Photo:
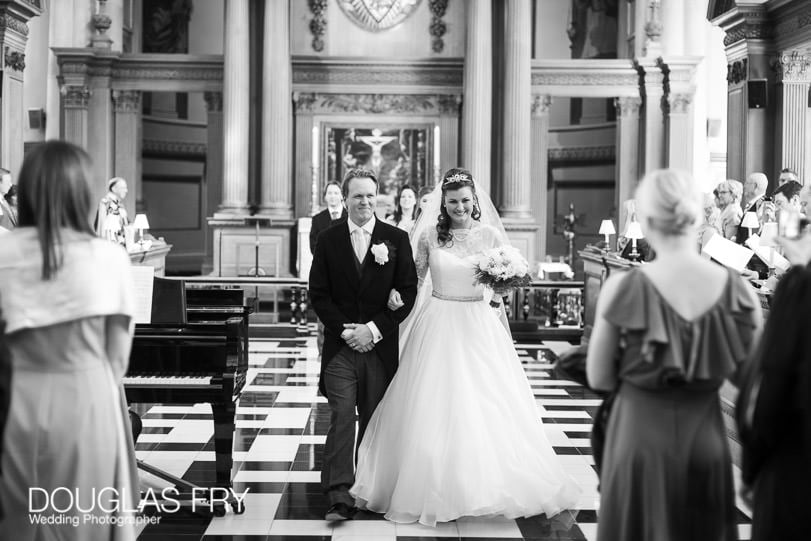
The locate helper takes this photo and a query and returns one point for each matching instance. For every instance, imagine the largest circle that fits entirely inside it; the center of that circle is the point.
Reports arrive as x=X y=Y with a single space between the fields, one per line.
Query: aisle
x=278 y=447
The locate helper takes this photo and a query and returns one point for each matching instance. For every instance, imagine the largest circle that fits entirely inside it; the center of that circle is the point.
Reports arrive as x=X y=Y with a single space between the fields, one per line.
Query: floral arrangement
x=502 y=269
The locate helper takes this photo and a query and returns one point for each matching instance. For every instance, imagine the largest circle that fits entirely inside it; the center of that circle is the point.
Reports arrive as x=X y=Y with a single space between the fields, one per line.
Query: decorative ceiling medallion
x=377 y=15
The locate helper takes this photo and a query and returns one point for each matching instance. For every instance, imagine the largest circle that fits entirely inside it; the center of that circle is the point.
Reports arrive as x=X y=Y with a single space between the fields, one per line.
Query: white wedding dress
x=458 y=432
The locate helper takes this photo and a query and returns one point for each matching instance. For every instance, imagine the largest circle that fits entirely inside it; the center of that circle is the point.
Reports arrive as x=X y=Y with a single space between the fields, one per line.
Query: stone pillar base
x=524 y=236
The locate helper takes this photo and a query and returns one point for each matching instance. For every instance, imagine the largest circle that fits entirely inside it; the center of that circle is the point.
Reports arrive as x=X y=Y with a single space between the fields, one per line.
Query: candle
x=315 y=147
x=436 y=148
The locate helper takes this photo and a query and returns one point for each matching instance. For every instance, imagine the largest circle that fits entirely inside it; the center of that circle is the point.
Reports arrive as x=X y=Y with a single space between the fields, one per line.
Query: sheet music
x=728 y=253
x=767 y=253
x=144 y=280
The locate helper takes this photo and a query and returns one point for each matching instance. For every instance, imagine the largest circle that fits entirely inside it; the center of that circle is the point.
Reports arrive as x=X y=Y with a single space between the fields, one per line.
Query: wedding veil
x=426 y=223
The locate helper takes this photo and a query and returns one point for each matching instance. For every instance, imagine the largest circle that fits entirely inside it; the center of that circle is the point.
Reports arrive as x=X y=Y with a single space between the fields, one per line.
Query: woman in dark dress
x=666 y=336
x=774 y=415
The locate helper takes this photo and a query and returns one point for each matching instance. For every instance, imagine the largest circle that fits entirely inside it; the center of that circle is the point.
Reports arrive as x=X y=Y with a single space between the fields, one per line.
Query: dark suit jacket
x=343 y=291
x=5 y=388
x=322 y=221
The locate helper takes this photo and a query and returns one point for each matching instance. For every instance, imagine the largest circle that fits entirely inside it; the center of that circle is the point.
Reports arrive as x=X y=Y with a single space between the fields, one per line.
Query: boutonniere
x=381 y=252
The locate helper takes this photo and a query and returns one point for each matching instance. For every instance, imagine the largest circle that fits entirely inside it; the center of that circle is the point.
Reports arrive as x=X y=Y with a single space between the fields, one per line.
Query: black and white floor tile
x=281 y=427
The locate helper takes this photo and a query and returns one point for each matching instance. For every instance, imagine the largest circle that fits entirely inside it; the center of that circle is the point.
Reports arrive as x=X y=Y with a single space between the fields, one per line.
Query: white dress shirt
x=361 y=237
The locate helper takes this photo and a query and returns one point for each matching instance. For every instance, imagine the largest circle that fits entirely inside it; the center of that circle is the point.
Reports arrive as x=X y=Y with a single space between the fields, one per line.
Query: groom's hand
x=358 y=337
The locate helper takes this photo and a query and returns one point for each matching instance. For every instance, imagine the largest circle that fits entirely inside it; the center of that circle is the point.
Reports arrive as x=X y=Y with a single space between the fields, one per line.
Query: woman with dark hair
x=457 y=432
x=774 y=414
x=67 y=297
x=405 y=208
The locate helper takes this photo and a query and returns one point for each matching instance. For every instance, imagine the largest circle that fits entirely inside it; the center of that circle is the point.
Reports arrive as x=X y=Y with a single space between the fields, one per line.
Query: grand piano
x=193 y=352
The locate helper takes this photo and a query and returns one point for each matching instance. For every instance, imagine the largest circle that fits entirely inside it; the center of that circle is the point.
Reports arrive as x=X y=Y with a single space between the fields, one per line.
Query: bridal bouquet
x=502 y=269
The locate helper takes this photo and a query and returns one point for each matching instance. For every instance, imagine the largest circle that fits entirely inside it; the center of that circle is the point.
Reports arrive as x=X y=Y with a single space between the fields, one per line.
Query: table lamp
x=634 y=232
x=750 y=222
x=140 y=223
x=607 y=228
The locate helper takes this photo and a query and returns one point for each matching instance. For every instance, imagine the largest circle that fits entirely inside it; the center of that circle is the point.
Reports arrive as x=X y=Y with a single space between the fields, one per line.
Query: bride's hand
x=395 y=300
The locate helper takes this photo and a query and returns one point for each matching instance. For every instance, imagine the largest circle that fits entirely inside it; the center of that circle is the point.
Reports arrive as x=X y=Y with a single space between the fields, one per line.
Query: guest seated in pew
x=67 y=297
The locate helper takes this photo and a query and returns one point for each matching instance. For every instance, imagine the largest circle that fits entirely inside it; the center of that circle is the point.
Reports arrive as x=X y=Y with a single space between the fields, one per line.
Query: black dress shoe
x=339 y=511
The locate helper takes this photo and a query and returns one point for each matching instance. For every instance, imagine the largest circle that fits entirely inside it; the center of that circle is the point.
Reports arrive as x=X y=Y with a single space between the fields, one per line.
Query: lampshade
x=768 y=234
x=634 y=231
x=607 y=227
x=750 y=220
x=140 y=222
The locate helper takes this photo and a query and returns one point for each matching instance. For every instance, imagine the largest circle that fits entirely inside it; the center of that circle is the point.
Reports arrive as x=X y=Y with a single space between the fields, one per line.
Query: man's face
x=5 y=183
x=120 y=189
x=749 y=189
x=782 y=203
x=333 y=196
x=785 y=177
x=361 y=199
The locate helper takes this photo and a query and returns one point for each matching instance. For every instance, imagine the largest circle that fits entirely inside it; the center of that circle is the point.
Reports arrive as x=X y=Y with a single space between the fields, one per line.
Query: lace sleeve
x=491 y=237
x=421 y=257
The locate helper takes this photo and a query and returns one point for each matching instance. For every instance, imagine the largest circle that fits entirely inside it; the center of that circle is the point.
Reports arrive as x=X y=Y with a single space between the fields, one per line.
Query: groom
x=355 y=266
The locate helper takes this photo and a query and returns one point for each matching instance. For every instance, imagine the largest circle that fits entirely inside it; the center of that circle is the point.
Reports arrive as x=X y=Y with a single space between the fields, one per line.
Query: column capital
x=541 y=104
x=679 y=103
x=75 y=96
x=738 y=71
x=126 y=101
x=449 y=104
x=792 y=67
x=628 y=106
x=14 y=60
x=213 y=101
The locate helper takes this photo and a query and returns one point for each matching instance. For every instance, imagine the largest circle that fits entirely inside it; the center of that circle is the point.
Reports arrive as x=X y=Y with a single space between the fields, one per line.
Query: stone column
x=627 y=164
x=277 y=113
x=477 y=109
x=75 y=99
x=539 y=164
x=515 y=203
x=793 y=83
x=236 y=108
x=680 y=131
x=681 y=73
x=14 y=14
x=448 y=123
x=653 y=120
x=214 y=167
x=128 y=142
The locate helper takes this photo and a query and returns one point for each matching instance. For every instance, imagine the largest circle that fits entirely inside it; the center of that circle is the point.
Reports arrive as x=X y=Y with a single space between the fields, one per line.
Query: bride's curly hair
x=454 y=179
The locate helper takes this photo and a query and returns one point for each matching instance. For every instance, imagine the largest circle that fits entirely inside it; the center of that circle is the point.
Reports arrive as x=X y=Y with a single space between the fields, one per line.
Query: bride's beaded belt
x=474 y=298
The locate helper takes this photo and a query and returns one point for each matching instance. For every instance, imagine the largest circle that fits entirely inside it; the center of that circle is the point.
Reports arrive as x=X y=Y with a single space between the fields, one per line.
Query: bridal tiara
x=457 y=177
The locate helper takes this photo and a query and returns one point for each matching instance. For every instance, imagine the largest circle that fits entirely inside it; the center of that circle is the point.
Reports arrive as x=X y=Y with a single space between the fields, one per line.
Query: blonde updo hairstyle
x=669 y=201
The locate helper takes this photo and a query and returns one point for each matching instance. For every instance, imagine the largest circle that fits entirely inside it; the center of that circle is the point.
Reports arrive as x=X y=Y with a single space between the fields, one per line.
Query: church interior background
x=220 y=109
x=228 y=117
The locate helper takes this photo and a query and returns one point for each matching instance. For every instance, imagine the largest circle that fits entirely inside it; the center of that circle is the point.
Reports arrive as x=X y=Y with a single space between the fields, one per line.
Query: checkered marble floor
x=281 y=427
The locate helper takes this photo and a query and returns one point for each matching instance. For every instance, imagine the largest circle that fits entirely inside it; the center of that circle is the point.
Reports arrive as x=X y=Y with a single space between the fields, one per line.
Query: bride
x=458 y=432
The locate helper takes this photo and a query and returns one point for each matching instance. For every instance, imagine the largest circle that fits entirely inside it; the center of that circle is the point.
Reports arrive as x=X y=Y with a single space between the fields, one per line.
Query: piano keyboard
x=158 y=381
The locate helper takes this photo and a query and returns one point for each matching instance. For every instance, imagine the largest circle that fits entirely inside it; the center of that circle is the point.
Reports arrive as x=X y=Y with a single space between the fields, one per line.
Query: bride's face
x=459 y=204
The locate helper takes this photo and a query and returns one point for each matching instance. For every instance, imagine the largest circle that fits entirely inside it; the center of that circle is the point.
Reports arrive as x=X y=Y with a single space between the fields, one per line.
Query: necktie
x=335 y=215
x=360 y=244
